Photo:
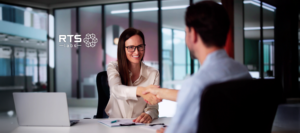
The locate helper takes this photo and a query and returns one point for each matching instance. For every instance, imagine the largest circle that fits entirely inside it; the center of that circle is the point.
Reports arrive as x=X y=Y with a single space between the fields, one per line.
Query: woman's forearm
x=169 y=94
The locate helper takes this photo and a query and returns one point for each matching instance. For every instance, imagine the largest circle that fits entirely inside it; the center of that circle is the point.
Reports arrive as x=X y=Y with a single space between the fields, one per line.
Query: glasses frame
x=135 y=47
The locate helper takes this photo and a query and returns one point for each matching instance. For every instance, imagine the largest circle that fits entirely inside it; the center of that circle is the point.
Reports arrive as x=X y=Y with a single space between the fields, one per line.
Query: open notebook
x=120 y=122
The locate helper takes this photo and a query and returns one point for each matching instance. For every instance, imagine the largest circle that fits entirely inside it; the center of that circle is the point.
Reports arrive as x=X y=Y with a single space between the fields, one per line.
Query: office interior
x=33 y=58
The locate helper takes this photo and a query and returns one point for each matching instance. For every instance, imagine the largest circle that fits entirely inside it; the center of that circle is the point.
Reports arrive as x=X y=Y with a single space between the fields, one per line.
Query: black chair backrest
x=239 y=106
x=103 y=94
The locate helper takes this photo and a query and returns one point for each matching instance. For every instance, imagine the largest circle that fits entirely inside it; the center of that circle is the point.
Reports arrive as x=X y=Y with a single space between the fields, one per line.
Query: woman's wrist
x=140 y=90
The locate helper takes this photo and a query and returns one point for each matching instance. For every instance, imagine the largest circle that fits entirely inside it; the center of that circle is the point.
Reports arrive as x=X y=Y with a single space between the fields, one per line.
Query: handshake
x=151 y=94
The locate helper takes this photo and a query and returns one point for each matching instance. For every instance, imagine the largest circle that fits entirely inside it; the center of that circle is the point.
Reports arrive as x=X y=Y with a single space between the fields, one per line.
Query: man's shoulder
x=195 y=83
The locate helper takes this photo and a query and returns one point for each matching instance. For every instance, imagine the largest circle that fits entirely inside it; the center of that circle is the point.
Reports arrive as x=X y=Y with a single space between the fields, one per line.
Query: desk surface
x=89 y=126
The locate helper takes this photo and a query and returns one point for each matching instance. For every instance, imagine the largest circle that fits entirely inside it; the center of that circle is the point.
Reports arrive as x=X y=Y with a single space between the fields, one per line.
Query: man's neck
x=135 y=68
x=204 y=52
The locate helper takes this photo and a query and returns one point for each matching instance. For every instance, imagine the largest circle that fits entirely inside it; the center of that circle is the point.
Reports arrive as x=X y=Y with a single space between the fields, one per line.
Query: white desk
x=90 y=126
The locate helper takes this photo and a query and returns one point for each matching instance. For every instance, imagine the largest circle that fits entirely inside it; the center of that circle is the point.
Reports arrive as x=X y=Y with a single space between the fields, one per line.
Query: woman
x=128 y=78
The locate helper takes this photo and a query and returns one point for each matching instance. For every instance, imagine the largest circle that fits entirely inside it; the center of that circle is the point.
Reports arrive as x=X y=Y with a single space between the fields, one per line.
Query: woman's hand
x=162 y=130
x=151 y=99
x=143 y=118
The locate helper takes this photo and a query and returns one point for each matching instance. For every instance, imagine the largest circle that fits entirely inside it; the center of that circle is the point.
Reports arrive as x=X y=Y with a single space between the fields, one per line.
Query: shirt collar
x=214 y=56
x=143 y=72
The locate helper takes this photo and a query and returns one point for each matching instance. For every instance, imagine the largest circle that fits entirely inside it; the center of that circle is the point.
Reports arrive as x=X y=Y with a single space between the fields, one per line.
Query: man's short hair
x=210 y=20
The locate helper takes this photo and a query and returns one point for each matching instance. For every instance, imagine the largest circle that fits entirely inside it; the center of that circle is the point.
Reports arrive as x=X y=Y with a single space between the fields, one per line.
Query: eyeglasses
x=132 y=48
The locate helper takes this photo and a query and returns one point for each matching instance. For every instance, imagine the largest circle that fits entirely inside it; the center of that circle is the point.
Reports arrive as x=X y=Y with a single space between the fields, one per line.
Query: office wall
x=238 y=28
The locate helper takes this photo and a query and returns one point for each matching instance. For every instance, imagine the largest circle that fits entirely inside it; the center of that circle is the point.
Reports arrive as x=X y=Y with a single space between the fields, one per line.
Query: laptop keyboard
x=72 y=122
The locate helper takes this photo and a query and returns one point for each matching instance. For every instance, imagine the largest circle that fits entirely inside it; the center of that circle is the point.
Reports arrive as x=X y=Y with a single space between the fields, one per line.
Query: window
x=252 y=30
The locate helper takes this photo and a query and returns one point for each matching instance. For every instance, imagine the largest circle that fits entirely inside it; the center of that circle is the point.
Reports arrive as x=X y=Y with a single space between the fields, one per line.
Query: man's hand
x=151 y=99
x=143 y=118
x=161 y=93
x=153 y=90
x=162 y=130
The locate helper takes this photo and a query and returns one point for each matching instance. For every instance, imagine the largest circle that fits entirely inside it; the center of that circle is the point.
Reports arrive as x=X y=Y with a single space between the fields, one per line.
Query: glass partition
x=145 y=19
x=66 y=59
x=174 y=50
x=91 y=57
x=116 y=21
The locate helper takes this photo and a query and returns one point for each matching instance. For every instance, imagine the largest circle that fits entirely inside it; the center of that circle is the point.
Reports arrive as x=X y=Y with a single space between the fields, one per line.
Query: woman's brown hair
x=123 y=62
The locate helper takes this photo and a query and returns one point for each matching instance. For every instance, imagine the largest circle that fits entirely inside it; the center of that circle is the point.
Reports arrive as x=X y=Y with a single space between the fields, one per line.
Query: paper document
x=120 y=122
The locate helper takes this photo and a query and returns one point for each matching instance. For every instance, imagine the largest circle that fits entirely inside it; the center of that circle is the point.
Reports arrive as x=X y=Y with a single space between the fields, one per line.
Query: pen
x=157 y=124
x=114 y=121
x=127 y=124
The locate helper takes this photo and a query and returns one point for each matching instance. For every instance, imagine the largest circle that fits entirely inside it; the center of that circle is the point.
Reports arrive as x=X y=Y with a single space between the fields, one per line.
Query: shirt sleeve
x=152 y=110
x=117 y=89
x=185 y=119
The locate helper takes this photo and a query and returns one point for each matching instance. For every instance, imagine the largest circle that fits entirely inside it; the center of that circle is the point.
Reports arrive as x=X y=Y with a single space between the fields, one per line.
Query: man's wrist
x=160 y=93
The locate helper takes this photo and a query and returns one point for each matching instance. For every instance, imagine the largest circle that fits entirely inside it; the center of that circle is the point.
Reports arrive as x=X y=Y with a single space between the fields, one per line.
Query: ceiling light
x=119 y=11
x=257 y=3
x=149 y=9
x=22 y=40
x=258 y=28
x=174 y=7
x=145 y=9
x=27 y=40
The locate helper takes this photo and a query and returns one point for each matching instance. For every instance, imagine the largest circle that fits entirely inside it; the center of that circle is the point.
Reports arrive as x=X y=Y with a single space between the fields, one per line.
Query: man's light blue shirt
x=217 y=67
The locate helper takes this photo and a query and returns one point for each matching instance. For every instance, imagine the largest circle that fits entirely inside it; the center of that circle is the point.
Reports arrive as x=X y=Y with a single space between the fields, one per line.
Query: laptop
x=42 y=109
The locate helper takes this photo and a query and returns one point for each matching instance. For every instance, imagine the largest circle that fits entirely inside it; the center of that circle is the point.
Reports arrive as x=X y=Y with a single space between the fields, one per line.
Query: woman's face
x=134 y=49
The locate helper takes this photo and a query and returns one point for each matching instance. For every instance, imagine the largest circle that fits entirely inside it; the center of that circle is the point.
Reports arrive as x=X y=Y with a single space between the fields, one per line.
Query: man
x=207 y=25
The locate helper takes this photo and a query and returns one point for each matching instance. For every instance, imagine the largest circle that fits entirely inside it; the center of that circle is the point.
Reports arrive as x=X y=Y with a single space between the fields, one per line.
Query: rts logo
x=90 y=40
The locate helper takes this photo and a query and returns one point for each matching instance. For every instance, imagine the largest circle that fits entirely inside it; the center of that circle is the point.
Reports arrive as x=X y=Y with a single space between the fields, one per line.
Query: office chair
x=246 y=106
x=103 y=94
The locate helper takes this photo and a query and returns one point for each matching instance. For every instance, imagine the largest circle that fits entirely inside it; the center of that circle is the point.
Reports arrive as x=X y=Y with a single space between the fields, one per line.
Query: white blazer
x=123 y=101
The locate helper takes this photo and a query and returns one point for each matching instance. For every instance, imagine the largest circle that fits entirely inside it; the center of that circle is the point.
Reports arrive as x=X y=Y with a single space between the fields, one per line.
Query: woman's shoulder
x=113 y=64
x=150 y=69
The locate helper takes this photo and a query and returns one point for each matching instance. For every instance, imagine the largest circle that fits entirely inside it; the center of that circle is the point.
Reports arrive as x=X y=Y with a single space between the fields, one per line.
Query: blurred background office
x=33 y=59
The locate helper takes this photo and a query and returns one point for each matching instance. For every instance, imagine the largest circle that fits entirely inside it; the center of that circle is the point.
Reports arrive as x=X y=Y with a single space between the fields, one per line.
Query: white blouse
x=123 y=101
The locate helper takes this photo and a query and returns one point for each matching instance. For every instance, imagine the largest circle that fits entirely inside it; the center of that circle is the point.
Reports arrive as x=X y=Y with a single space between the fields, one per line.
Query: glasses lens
x=130 y=49
x=141 y=47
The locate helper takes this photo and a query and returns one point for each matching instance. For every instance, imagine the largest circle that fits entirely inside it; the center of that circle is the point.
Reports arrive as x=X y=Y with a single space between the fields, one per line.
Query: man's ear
x=193 y=35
